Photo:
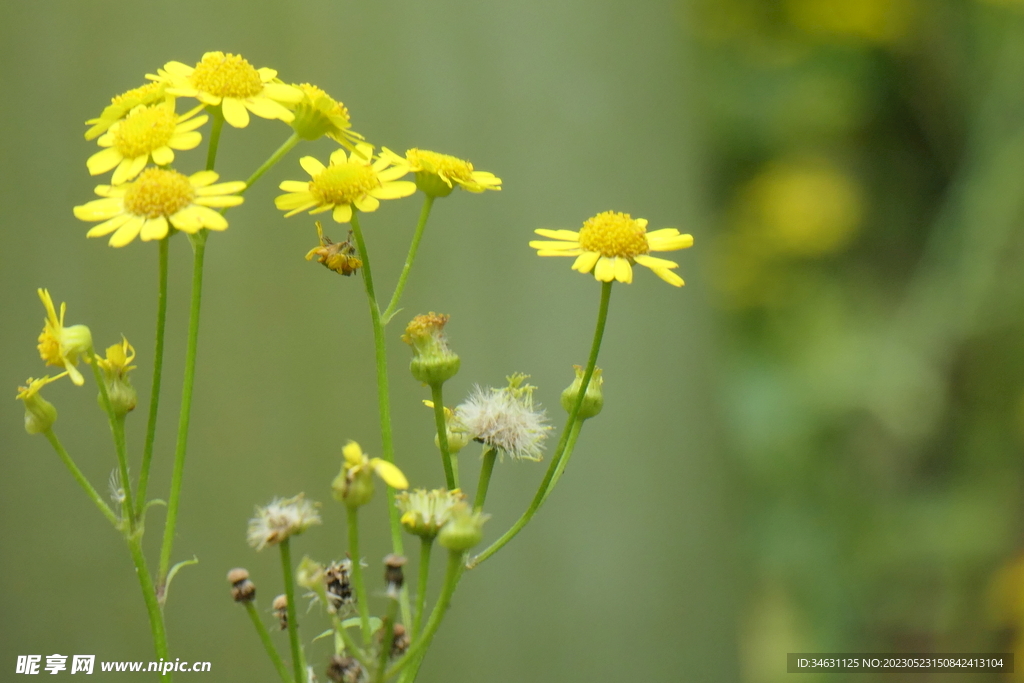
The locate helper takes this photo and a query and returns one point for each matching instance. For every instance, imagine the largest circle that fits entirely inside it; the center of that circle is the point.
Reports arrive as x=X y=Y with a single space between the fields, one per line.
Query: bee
x=339 y=586
x=280 y=606
x=337 y=256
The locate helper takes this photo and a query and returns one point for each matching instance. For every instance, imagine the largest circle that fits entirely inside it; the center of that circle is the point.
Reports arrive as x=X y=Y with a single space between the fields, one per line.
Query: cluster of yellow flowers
x=142 y=126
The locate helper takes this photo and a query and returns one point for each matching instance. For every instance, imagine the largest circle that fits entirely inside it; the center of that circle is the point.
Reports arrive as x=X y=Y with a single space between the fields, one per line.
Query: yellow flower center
x=226 y=75
x=49 y=346
x=343 y=183
x=158 y=192
x=614 y=234
x=145 y=130
x=442 y=164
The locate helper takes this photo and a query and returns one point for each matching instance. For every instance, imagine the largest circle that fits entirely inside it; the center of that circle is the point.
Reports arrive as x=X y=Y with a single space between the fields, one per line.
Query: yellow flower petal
x=586 y=261
x=605 y=270
x=390 y=473
x=568 y=235
x=343 y=213
x=235 y=112
x=269 y=109
x=623 y=271
x=127 y=232
x=312 y=166
x=154 y=229
x=366 y=203
x=103 y=161
x=163 y=155
x=99 y=209
x=109 y=226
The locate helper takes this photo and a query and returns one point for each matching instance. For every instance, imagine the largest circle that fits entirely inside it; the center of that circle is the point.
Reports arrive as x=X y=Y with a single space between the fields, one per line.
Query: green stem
x=385 y=644
x=569 y=447
x=350 y=645
x=542 y=491
x=272 y=161
x=199 y=247
x=450 y=476
x=389 y=312
x=117 y=429
x=426 y=544
x=298 y=665
x=383 y=400
x=218 y=124
x=156 y=616
x=451 y=579
x=268 y=644
x=158 y=366
x=362 y=603
x=82 y=481
x=490 y=455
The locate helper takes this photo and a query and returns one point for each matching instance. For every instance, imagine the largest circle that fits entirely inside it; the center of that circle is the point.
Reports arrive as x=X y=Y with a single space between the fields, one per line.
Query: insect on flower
x=337 y=256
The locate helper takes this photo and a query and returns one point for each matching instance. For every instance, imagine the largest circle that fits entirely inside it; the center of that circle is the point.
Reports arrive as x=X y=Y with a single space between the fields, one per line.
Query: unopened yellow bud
x=465 y=528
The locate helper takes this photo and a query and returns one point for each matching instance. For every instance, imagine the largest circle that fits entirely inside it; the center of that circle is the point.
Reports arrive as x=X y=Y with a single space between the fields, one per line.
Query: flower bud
x=115 y=367
x=394 y=575
x=319 y=114
x=433 y=361
x=593 y=400
x=310 y=574
x=464 y=530
x=353 y=486
x=39 y=413
x=242 y=589
x=432 y=185
x=424 y=513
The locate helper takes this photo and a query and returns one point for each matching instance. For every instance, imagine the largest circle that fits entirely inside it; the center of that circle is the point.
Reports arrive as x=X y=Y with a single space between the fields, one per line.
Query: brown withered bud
x=339 y=586
x=242 y=589
x=344 y=670
x=399 y=640
x=280 y=606
x=394 y=577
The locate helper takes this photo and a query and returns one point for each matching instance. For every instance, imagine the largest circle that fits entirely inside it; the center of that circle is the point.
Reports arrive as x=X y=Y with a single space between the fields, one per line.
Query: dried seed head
x=345 y=670
x=242 y=589
x=280 y=606
x=399 y=640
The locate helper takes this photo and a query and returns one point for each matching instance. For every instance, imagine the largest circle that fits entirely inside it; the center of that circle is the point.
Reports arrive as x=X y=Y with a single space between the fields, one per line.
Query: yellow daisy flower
x=430 y=167
x=60 y=345
x=233 y=83
x=148 y=131
x=320 y=114
x=611 y=243
x=350 y=181
x=158 y=197
x=121 y=104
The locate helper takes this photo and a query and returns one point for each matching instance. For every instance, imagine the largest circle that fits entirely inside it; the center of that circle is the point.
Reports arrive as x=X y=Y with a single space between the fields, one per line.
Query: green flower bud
x=354 y=484
x=464 y=529
x=39 y=413
x=433 y=361
x=593 y=400
x=424 y=512
x=432 y=185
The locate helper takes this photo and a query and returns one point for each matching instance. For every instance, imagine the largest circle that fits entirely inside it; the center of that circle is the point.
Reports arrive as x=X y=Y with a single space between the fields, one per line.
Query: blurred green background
x=814 y=446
